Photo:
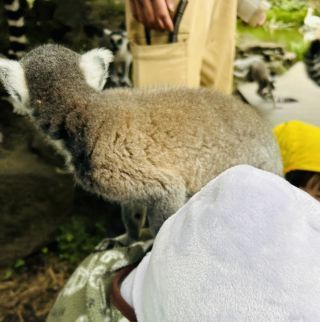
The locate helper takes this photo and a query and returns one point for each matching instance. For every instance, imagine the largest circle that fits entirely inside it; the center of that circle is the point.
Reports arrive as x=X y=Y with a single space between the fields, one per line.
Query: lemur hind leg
x=165 y=206
x=134 y=216
x=125 y=79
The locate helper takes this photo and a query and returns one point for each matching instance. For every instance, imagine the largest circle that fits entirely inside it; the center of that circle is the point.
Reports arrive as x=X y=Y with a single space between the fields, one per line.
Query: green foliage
x=290 y=38
x=293 y=17
x=75 y=241
x=19 y=263
x=289 y=5
x=14 y=268
x=284 y=20
x=8 y=273
x=290 y=12
x=299 y=48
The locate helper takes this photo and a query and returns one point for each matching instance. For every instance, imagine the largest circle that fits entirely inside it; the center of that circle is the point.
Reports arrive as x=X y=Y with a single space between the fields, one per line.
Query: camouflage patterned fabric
x=85 y=297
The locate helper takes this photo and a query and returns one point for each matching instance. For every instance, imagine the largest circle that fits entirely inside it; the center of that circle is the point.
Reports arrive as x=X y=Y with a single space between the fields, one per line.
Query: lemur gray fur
x=152 y=147
x=254 y=69
x=259 y=73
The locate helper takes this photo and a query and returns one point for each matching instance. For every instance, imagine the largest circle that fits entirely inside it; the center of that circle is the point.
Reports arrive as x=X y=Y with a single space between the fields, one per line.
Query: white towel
x=245 y=248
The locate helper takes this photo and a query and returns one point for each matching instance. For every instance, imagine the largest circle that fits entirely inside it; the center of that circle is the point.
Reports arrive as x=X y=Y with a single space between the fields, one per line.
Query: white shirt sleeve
x=247 y=8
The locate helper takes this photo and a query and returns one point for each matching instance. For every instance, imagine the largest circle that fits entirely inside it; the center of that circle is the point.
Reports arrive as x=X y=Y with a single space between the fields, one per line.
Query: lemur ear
x=14 y=81
x=94 y=65
x=107 y=32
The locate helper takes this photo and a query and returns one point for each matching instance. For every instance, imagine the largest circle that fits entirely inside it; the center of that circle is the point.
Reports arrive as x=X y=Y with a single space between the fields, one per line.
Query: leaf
x=7 y=274
x=19 y=263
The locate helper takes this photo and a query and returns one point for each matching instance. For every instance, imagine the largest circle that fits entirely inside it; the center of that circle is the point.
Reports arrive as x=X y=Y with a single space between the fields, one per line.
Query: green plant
x=284 y=21
x=12 y=269
x=74 y=240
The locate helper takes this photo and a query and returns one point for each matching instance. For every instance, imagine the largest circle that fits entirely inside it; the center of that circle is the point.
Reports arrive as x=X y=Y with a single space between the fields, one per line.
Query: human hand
x=258 y=19
x=154 y=14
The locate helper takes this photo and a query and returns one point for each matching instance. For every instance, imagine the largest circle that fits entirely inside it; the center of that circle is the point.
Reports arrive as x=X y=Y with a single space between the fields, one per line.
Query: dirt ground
x=29 y=293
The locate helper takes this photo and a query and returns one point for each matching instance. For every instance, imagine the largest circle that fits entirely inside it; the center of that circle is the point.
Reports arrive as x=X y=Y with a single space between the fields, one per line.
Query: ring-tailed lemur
x=312 y=61
x=17 y=31
x=16 y=34
x=254 y=69
x=154 y=147
x=122 y=61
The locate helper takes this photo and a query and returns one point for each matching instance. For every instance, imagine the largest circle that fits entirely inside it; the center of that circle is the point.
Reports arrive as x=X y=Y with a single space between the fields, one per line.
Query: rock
x=277 y=68
x=34 y=198
x=268 y=50
x=32 y=206
x=275 y=57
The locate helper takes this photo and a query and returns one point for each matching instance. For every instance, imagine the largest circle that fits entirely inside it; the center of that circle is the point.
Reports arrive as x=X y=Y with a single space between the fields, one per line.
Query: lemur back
x=154 y=147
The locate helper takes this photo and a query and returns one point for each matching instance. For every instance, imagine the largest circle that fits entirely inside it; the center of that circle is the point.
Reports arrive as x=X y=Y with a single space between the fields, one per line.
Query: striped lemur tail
x=312 y=61
x=17 y=31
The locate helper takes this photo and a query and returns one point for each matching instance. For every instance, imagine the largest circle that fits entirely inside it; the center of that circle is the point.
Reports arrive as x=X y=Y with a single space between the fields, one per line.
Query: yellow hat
x=299 y=145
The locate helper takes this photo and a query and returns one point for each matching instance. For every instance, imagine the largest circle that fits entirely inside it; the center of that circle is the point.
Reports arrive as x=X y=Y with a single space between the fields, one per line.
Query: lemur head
x=52 y=69
x=118 y=40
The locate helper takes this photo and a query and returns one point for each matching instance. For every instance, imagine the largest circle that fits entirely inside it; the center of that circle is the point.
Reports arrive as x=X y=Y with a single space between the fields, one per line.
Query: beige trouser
x=203 y=55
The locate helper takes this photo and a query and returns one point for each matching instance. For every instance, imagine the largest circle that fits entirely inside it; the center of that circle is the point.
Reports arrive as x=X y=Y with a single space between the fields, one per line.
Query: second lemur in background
x=120 y=68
